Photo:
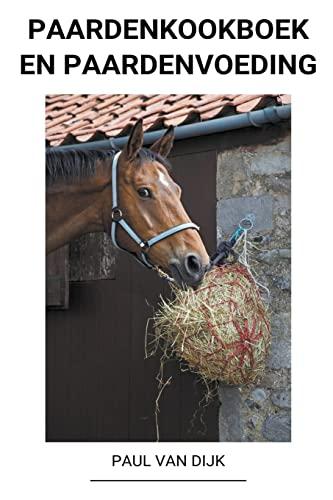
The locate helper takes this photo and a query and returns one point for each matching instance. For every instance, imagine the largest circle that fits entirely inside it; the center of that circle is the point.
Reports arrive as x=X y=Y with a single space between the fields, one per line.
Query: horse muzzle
x=188 y=271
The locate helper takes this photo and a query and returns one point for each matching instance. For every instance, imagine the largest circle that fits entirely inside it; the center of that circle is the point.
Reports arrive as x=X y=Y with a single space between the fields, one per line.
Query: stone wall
x=256 y=178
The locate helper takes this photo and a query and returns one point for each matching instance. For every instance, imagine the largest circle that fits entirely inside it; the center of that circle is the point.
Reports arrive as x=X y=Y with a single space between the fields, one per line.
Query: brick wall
x=256 y=178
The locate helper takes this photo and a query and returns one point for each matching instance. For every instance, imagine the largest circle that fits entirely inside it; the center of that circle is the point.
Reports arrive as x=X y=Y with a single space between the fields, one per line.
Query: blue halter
x=117 y=219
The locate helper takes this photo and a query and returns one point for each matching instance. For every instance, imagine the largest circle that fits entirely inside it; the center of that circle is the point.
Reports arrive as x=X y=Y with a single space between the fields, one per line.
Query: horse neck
x=73 y=210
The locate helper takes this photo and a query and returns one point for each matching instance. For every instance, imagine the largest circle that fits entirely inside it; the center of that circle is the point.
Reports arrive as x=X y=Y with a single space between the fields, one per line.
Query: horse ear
x=164 y=144
x=135 y=141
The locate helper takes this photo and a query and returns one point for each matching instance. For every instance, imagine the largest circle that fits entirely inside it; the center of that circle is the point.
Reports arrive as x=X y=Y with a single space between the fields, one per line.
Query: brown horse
x=80 y=199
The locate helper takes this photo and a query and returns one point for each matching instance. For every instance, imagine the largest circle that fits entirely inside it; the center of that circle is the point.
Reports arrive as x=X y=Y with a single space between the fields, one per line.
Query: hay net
x=221 y=329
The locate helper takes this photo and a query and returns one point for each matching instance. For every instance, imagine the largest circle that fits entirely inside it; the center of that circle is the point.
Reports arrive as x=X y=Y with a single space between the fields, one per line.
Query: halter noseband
x=117 y=219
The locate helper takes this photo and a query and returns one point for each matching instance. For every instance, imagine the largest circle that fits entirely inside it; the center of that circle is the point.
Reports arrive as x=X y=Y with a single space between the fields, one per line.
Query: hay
x=221 y=329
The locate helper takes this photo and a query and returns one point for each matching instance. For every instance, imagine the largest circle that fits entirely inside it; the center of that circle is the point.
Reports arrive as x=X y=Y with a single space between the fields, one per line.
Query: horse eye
x=144 y=193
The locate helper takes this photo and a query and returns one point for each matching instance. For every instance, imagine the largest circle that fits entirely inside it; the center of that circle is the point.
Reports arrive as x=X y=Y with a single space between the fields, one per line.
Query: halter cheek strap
x=117 y=219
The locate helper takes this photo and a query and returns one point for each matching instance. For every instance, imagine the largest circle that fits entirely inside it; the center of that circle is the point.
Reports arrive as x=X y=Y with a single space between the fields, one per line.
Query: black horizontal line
x=168 y=480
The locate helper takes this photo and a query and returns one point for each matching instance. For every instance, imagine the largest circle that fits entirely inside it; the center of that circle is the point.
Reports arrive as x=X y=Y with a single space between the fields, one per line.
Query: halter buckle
x=116 y=214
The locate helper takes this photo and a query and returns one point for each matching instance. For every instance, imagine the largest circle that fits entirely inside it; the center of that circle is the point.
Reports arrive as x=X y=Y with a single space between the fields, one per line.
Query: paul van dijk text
x=168 y=460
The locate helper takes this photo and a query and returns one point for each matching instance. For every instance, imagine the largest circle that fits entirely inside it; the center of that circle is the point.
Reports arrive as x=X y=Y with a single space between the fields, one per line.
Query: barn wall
x=253 y=175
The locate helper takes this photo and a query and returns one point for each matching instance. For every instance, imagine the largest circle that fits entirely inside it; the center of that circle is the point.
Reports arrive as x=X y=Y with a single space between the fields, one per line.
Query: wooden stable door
x=99 y=386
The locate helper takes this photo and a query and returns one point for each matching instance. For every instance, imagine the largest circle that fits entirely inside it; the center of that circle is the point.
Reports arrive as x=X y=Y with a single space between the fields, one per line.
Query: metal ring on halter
x=144 y=246
x=116 y=214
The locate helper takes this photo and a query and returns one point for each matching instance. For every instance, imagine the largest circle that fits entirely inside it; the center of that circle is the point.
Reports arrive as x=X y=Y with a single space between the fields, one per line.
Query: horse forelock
x=147 y=155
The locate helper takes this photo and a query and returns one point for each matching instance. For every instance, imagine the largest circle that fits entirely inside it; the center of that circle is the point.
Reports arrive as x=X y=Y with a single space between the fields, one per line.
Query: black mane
x=75 y=164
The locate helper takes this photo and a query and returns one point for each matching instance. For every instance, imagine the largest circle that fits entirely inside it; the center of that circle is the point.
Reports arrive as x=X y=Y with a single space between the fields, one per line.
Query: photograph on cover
x=168 y=267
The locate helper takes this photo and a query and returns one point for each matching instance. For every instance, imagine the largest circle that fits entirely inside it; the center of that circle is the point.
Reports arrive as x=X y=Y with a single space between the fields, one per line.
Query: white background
x=32 y=468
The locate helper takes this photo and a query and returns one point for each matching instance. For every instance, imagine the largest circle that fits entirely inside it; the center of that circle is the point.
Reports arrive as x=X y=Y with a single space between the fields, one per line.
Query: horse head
x=149 y=202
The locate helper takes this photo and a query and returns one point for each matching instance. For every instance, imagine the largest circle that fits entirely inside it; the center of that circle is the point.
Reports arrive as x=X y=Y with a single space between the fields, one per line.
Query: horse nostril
x=193 y=264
